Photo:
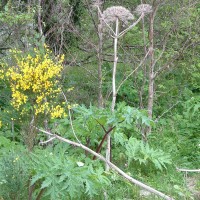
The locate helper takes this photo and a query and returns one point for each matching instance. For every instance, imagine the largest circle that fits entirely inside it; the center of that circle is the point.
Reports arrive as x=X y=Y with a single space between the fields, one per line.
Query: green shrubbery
x=32 y=96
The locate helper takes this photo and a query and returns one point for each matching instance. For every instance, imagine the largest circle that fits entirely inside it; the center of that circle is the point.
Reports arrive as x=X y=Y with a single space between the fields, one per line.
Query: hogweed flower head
x=110 y=15
x=143 y=9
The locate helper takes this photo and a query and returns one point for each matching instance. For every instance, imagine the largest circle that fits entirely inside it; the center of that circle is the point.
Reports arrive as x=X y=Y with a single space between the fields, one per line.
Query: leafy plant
x=6 y=143
x=14 y=175
x=138 y=151
x=61 y=176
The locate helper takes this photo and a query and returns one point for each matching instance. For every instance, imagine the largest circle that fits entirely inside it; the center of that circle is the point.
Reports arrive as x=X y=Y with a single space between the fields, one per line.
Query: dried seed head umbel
x=110 y=15
x=143 y=9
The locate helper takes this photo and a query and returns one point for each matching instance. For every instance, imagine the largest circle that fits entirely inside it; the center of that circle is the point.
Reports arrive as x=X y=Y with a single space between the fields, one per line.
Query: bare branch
x=133 y=71
x=39 y=19
x=131 y=26
x=157 y=119
x=70 y=118
x=47 y=141
x=188 y=170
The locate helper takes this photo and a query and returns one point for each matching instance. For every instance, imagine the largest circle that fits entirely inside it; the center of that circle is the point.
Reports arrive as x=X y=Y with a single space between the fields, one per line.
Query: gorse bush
x=34 y=82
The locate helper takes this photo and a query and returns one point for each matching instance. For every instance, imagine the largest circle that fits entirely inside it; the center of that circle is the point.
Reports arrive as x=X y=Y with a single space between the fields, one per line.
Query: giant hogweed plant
x=138 y=151
x=61 y=176
x=96 y=124
x=50 y=173
x=111 y=19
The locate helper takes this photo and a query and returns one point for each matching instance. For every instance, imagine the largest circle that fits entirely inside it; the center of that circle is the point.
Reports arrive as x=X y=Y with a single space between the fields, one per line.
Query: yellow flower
x=57 y=112
x=1 y=74
x=70 y=89
x=33 y=79
x=69 y=107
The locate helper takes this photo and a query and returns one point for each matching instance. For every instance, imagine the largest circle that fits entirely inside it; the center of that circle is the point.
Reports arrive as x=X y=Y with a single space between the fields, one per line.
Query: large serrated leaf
x=46 y=183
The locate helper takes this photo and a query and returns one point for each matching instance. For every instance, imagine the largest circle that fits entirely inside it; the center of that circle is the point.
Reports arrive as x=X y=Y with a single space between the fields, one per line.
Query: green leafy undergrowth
x=142 y=153
x=14 y=174
x=179 y=135
x=91 y=124
x=65 y=177
x=6 y=143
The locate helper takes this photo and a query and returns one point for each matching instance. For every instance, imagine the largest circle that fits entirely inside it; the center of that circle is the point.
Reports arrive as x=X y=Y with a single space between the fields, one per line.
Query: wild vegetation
x=99 y=99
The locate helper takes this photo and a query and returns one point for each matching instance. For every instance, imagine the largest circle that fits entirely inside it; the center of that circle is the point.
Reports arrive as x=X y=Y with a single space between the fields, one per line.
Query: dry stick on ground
x=114 y=167
x=188 y=170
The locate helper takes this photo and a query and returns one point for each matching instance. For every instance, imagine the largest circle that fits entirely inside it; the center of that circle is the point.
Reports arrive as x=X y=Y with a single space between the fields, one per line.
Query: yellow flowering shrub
x=34 y=82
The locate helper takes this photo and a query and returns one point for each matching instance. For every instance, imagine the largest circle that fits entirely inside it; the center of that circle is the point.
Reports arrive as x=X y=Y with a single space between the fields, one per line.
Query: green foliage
x=182 y=192
x=6 y=143
x=77 y=9
x=122 y=116
x=65 y=177
x=14 y=14
x=17 y=25
x=84 y=84
x=138 y=151
x=122 y=189
x=92 y=122
x=59 y=171
x=180 y=134
x=13 y=175
x=188 y=128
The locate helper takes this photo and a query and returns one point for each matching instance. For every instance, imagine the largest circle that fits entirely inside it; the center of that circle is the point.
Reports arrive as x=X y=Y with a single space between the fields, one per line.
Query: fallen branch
x=188 y=170
x=114 y=167
x=47 y=141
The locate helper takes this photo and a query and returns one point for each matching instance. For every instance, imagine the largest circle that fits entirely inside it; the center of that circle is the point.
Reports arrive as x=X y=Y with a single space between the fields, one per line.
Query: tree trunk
x=151 y=74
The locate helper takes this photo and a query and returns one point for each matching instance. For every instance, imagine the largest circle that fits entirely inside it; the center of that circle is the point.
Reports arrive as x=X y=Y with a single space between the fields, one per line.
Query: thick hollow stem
x=115 y=68
x=108 y=149
x=98 y=150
